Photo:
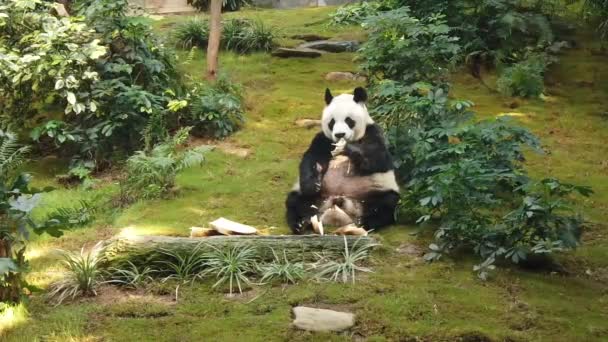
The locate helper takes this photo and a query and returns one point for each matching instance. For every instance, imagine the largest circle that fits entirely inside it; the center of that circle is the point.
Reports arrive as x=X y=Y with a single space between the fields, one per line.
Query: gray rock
x=344 y=76
x=309 y=37
x=297 y=52
x=332 y=46
x=313 y=319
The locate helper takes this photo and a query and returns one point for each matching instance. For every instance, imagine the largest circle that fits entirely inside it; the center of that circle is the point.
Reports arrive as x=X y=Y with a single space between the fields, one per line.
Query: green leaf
x=59 y=84
x=71 y=98
x=7 y=265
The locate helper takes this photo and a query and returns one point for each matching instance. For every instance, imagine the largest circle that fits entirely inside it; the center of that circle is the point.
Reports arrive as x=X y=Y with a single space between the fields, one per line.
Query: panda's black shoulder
x=320 y=144
x=374 y=133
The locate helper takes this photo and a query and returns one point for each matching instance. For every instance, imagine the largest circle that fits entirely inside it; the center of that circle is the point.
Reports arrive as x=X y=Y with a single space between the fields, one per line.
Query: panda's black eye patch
x=350 y=122
x=331 y=124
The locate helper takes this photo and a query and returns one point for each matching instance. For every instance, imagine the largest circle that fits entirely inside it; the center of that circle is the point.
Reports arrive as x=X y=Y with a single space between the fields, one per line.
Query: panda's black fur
x=370 y=162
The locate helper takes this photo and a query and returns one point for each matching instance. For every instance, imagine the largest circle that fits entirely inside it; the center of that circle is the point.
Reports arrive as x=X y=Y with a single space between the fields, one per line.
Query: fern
x=152 y=174
x=11 y=153
x=76 y=216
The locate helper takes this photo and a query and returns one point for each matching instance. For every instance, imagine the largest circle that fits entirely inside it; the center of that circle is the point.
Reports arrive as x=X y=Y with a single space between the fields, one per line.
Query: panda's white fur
x=339 y=109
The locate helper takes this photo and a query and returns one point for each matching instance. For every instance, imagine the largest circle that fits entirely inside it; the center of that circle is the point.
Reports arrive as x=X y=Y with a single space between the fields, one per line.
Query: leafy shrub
x=469 y=177
x=401 y=47
x=347 y=268
x=245 y=36
x=216 y=109
x=355 y=13
x=192 y=32
x=525 y=78
x=83 y=275
x=231 y=266
x=45 y=57
x=283 y=270
x=497 y=29
x=227 y=5
x=464 y=176
x=152 y=174
x=104 y=70
x=238 y=35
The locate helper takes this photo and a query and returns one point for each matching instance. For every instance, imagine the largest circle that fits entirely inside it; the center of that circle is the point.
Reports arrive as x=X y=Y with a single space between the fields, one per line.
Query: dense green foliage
x=106 y=71
x=238 y=35
x=99 y=85
x=525 y=78
x=404 y=48
x=481 y=33
x=466 y=175
x=597 y=11
x=355 y=13
x=17 y=201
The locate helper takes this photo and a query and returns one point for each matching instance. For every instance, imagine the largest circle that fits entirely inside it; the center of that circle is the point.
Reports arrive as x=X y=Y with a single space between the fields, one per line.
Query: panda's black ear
x=328 y=96
x=360 y=95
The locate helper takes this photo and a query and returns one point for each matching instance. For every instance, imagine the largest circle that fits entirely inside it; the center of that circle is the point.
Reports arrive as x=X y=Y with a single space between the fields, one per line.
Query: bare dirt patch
x=112 y=295
x=225 y=146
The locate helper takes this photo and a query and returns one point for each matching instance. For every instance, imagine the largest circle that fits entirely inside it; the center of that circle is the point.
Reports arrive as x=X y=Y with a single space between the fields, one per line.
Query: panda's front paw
x=353 y=151
x=339 y=148
x=311 y=187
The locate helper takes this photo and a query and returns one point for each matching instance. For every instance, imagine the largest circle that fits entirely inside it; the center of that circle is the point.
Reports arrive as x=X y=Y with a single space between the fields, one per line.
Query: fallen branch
x=144 y=250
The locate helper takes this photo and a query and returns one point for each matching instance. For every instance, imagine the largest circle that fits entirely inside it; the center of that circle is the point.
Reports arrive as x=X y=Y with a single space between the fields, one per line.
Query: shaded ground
x=405 y=298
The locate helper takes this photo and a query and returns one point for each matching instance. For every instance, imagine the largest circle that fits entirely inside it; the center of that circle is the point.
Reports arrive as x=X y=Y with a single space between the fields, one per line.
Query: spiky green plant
x=82 y=276
x=282 y=269
x=231 y=266
x=183 y=267
x=132 y=276
x=246 y=36
x=345 y=269
x=191 y=33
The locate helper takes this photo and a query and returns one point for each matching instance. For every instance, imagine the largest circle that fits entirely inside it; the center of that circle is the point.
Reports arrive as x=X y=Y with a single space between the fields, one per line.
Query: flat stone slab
x=308 y=123
x=332 y=46
x=309 y=37
x=297 y=52
x=313 y=319
x=344 y=76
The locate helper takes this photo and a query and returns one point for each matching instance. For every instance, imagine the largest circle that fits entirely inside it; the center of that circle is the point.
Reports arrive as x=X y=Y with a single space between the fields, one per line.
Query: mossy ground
x=404 y=298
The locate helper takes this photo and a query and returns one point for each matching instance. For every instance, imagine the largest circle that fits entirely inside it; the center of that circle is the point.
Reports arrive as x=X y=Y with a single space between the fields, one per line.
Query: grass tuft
x=132 y=276
x=232 y=266
x=83 y=275
x=345 y=269
x=283 y=270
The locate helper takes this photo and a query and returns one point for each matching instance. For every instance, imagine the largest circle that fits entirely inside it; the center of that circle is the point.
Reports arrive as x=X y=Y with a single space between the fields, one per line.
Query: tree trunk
x=215 y=34
x=145 y=250
x=10 y=284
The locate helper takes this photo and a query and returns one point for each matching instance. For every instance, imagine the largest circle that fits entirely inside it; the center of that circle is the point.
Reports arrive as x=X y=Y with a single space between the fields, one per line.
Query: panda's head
x=345 y=116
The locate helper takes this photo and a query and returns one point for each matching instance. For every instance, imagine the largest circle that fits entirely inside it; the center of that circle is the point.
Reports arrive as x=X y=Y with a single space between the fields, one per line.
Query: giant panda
x=346 y=175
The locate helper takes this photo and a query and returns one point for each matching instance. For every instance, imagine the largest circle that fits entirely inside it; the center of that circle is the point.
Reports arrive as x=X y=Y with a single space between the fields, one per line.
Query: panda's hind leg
x=379 y=209
x=300 y=209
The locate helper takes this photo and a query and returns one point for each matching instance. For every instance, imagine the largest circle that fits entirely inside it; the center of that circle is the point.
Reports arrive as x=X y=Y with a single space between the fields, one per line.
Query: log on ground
x=144 y=250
